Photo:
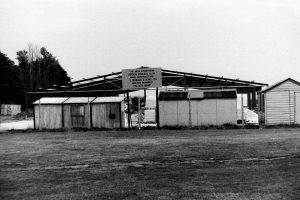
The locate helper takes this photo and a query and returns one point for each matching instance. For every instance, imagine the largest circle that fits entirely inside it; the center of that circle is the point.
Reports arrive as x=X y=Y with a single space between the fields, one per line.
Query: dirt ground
x=151 y=164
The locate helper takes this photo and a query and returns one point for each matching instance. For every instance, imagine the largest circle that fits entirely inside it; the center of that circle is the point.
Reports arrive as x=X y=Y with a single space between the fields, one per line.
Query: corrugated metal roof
x=51 y=100
x=108 y=99
x=79 y=100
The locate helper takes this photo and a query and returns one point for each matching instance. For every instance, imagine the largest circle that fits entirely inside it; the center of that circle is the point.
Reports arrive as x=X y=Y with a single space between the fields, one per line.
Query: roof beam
x=214 y=77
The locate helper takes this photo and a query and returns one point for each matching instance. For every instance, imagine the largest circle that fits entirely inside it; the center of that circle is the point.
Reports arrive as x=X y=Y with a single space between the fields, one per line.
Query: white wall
x=203 y=112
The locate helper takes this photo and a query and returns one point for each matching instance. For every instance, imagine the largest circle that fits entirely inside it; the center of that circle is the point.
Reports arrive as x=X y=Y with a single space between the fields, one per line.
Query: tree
x=11 y=87
x=40 y=69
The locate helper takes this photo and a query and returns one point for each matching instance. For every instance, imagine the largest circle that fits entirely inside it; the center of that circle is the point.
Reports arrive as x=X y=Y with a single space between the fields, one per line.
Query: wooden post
x=145 y=95
x=157 y=109
x=249 y=101
x=190 y=112
x=40 y=127
x=26 y=97
x=139 y=112
x=242 y=110
x=89 y=113
x=62 y=116
x=128 y=108
x=120 y=113
x=253 y=100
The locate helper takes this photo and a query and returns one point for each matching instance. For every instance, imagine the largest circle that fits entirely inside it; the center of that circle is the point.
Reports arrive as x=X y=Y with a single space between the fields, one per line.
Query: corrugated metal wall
x=203 y=112
x=280 y=104
x=50 y=116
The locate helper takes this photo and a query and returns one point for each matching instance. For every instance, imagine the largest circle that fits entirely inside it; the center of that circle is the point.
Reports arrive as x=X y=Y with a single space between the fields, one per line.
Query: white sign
x=141 y=78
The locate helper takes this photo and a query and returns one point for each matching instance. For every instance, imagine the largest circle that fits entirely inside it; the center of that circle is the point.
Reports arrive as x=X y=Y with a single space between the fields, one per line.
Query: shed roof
x=279 y=83
x=79 y=100
x=108 y=100
x=51 y=100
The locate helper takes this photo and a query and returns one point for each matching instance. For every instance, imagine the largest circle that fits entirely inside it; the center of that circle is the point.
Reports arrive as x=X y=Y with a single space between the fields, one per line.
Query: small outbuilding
x=108 y=112
x=79 y=112
x=280 y=103
x=198 y=108
x=48 y=113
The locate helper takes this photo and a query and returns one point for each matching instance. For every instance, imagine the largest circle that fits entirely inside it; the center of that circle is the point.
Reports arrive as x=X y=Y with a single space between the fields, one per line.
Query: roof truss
x=110 y=84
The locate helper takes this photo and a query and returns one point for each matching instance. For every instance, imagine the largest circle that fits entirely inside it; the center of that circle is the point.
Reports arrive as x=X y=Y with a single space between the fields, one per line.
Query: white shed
x=280 y=103
x=198 y=108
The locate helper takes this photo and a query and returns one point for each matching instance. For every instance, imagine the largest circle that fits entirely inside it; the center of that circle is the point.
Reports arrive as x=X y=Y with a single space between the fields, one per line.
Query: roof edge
x=279 y=83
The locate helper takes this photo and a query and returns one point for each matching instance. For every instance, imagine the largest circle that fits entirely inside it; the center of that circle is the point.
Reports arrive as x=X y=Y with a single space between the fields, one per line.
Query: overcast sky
x=246 y=39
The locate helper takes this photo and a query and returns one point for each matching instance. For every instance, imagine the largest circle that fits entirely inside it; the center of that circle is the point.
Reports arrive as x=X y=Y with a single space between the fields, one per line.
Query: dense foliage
x=40 y=69
x=36 y=69
x=11 y=85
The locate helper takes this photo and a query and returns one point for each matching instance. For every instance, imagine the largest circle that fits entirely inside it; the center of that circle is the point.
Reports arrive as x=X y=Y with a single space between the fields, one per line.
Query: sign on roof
x=142 y=78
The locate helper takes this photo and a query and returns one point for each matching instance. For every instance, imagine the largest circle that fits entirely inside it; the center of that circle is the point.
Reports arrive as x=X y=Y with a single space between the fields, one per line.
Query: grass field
x=154 y=164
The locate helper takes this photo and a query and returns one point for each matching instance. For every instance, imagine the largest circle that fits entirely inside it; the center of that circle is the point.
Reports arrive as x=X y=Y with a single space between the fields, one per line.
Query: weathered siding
x=280 y=104
x=297 y=107
x=203 y=112
x=107 y=115
x=75 y=121
x=50 y=116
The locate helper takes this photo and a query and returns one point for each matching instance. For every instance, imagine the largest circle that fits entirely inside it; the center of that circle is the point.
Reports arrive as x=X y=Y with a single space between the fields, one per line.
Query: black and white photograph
x=150 y=99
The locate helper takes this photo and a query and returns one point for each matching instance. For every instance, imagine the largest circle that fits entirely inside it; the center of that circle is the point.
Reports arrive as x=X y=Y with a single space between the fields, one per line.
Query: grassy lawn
x=166 y=164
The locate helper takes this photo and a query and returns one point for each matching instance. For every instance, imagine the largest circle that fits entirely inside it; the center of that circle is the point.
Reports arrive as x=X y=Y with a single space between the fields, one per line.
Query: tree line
x=37 y=69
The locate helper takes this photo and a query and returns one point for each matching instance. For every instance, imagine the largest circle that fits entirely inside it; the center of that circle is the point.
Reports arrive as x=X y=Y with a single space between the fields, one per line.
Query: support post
x=40 y=127
x=128 y=109
x=242 y=110
x=139 y=112
x=26 y=97
x=157 y=109
x=145 y=95
x=249 y=104
x=89 y=113
x=253 y=100
x=190 y=113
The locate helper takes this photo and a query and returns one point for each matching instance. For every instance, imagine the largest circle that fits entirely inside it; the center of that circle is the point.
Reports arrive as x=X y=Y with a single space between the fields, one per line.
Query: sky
x=247 y=39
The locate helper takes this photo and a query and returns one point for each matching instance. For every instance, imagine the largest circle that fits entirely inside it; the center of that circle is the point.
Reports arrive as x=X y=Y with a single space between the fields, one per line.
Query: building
x=112 y=85
x=79 y=112
x=280 y=103
x=198 y=108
